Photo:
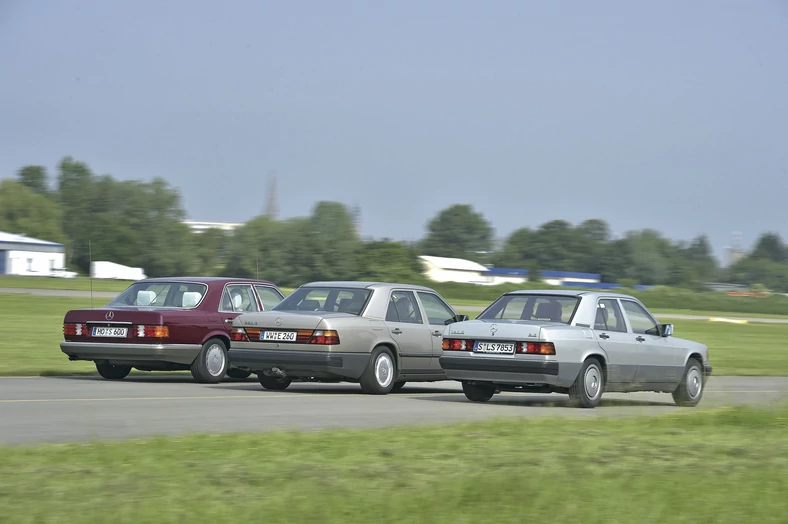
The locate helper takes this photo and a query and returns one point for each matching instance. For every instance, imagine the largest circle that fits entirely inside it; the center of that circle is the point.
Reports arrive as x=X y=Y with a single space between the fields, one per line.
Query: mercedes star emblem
x=493 y=329
x=110 y=315
x=278 y=321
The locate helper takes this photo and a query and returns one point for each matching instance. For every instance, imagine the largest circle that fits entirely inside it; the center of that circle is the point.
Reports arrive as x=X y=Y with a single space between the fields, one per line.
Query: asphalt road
x=110 y=294
x=63 y=409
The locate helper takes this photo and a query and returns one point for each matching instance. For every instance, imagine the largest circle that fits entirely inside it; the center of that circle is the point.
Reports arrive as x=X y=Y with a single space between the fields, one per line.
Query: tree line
x=140 y=224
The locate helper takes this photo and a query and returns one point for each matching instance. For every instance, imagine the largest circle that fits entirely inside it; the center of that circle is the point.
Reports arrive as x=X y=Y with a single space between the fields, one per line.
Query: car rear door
x=236 y=299
x=409 y=331
x=623 y=354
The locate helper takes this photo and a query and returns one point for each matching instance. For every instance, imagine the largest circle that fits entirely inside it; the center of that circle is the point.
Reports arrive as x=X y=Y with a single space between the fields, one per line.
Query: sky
x=670 y=115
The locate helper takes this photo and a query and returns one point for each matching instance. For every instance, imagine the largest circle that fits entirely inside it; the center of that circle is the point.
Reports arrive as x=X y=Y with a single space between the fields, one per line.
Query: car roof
x=203 y=280
x=568 y=293
x=360 y=284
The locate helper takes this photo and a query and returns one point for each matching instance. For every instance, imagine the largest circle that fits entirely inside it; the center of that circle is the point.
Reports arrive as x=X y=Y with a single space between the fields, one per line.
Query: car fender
x=217 y=333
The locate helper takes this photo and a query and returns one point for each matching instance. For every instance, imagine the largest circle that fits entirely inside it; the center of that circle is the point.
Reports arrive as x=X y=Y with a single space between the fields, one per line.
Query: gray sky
x=664 y=114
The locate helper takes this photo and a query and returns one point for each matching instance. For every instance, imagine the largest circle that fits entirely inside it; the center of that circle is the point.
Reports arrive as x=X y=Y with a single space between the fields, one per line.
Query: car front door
x=623 y=354
x=660 y=363
x=269 y=296
x=437 y=313
x=411 y=334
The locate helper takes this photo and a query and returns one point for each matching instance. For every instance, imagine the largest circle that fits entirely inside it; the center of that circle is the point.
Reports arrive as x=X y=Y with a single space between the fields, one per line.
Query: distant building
x=199 y=227
x=21 y=255
x=443 y=269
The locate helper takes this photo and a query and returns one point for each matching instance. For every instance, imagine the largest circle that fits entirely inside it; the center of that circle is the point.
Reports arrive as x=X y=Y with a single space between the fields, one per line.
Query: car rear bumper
x=300 y=363
x=123 y=352
x=503 y=371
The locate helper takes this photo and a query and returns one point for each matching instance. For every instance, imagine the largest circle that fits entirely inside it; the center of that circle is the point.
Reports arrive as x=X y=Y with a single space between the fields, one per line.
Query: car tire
x=381 y=373
x=111 y=372
x=210 y=365
x=586 y=392
x=477 y=392
x=690 y=390
x=275 y=383
x=238 y=373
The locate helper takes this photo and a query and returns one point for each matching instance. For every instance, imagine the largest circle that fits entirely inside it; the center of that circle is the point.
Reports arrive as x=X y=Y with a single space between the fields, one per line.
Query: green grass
x=697 y=466
x=72 y=284
x=31 y=331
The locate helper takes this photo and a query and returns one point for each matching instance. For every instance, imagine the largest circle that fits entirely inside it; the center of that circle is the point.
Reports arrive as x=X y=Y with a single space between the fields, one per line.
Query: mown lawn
x=31 y=330
x=724 y=466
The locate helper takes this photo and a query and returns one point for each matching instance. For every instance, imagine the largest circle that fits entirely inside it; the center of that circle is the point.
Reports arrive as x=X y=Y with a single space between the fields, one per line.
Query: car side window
x=268 y=296
x=238 y=298
x=403 y=308
x=609 y=317
x=639 y=318
x=437 y=311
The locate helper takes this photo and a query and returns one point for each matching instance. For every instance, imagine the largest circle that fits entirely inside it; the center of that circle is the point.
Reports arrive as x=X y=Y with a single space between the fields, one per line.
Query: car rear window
x=161 y=295
x=543 y=308
x=331 y=299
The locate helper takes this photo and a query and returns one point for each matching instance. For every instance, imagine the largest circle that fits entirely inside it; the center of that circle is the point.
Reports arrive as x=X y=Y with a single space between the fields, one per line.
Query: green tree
x=459 y=232
x=26 y=212
x=34 y=178
x=334 y=242
x=389 y=261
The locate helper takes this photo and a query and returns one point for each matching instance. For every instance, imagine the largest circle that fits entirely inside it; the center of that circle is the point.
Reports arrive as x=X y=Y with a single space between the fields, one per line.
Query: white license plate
x=278 y=336
x=110 y=332
x=505 y=348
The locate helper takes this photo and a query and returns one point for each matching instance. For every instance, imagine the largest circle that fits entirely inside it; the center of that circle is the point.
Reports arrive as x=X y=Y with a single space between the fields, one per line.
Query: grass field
x=697 y=466
x=31 y=331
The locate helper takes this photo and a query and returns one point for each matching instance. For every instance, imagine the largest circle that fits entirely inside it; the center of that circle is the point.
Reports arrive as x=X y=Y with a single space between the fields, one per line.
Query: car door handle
x=640 y=339
x=228 y=320
x=396 y=331
x=604 y=335
x=437 y=333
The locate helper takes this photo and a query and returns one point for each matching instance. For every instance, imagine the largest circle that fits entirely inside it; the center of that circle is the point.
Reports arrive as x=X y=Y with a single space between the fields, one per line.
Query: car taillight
x=536 y=348
x=454 y=344
x=324 y=337
x=153 y=331
x=238 y=335
x=75 y=329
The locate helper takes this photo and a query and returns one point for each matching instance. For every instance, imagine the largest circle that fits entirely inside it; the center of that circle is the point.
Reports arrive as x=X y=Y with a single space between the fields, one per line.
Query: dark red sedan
x=167 y=324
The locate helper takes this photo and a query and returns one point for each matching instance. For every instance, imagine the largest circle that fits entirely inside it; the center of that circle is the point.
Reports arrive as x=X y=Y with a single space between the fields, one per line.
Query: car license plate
x=278 y=336
x=116 y=332
x=503 y=348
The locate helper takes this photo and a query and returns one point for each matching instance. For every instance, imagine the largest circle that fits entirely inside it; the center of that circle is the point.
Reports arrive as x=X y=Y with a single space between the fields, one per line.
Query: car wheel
x=398 y=385
x=276 y=383
x=589 y=384
x=238 y=373
x=381 y=372
x=477 y=392
x=111 y=372
x=690 y=391
x=211 y=364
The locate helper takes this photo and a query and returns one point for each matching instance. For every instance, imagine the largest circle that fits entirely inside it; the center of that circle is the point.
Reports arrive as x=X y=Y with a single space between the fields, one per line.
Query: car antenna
x=257 y=261
x=90 y=272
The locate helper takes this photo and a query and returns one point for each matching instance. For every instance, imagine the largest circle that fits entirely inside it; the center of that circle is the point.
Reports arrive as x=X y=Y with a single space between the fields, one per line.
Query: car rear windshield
x=331 y=299
x=161 y=294
x=543 y=308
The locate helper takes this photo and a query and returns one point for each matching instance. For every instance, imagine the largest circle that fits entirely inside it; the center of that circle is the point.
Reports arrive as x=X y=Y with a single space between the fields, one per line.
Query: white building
x=442 y=269
x=199 y=227
x=21 y=255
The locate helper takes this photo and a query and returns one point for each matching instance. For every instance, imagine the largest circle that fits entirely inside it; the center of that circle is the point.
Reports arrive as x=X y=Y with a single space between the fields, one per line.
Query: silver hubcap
x=694 y=382
x=214 y=360
x=384 y=369
x=593 y=382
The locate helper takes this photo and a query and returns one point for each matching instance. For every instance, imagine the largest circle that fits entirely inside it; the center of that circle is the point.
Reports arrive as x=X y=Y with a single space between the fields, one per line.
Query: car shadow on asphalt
x=158 y=378
x=322 y=389
x=541 y=401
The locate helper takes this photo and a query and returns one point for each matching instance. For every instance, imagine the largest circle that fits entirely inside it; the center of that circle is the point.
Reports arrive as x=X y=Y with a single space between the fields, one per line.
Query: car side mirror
x=666 y=330
x=456 y=318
